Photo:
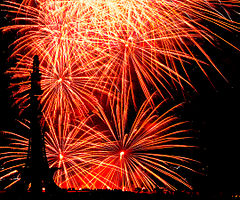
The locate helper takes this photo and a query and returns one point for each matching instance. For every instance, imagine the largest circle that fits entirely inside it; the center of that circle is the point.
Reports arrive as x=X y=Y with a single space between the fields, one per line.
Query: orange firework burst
x=68 y=148
x=132 y=153
x=64 y=90
x=119 y=41
x=114 y=157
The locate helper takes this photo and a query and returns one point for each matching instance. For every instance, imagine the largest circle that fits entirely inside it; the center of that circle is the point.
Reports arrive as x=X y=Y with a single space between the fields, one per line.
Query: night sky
x=214 y=113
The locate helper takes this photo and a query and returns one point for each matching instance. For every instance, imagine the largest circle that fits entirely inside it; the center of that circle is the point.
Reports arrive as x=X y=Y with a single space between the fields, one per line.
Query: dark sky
x=214 y=112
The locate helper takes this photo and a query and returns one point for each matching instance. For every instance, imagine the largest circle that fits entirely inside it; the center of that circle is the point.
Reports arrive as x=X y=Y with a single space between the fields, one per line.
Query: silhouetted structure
x=36 y=171
x=118 y=194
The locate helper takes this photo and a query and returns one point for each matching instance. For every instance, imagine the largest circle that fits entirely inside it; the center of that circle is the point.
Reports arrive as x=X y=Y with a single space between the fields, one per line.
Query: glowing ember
x=121 y=154
x=61 y=156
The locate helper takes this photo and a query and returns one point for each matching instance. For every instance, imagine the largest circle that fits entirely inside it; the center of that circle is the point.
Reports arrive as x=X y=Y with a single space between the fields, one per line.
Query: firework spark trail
x=63 y=92
x=68 y=148
x=118 y=41
x=133 y=154
x=13 y=156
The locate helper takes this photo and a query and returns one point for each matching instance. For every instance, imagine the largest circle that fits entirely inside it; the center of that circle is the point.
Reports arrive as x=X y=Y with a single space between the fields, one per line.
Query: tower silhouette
x=36 y=171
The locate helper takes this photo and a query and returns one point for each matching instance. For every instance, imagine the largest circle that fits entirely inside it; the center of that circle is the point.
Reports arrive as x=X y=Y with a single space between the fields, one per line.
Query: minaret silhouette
x=36 y=171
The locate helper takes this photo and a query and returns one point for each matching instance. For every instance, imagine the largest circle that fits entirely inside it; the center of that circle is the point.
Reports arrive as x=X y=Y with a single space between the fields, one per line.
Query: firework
x=120 y=155
x=135 y=152
x=13 y=156
x=67 y=147
x=134 y=44
x=63 y=91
